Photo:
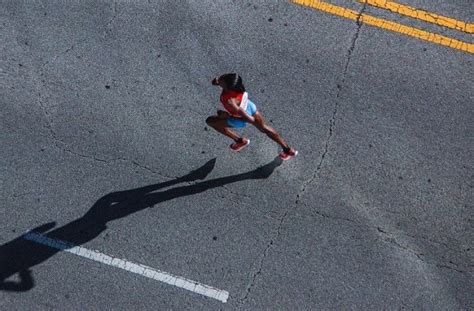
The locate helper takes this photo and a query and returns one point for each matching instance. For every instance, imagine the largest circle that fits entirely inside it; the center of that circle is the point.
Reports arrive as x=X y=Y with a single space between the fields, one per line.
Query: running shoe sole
x=288 y=157
x=241 y=146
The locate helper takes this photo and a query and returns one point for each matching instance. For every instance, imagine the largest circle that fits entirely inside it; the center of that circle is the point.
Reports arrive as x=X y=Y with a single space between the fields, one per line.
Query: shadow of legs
x=19 y=255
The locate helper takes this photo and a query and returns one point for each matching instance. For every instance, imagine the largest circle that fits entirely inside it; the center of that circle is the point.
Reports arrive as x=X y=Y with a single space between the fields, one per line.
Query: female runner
x=240 y=111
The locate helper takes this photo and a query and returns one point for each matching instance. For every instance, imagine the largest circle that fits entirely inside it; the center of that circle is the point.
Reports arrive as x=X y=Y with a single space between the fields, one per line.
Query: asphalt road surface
x=104 y=146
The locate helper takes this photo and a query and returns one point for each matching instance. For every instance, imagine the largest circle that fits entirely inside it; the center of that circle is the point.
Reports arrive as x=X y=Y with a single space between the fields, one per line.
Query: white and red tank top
x=242 y=97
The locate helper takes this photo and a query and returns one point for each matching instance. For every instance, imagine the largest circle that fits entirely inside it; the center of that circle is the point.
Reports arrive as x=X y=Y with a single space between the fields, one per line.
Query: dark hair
x=233 y=82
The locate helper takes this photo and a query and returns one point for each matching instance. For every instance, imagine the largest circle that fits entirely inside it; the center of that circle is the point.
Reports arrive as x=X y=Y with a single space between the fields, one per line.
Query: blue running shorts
x=238 y=123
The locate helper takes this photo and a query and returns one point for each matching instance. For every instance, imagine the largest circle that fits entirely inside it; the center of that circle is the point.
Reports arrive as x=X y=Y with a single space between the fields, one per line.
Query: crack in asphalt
x=238 y=194
x=390 y=239
x=109 y=25
x=69 y=49
x=332 y=121
x=446 y=245
x=332 y=124
x=62 y=146
x=23 y=194
x=333 y=217
x=108 y=161
x=262 y=259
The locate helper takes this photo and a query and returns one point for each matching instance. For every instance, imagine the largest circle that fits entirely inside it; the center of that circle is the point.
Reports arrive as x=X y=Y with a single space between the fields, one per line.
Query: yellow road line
x=421 y=14
x=388 y=25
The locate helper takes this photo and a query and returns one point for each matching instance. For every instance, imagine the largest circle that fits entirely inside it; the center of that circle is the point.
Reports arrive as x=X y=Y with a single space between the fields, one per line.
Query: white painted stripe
x=143 y=270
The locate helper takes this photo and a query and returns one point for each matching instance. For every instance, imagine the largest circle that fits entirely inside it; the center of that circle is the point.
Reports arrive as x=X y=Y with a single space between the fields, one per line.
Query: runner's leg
x=220 y=125
x=268 y=130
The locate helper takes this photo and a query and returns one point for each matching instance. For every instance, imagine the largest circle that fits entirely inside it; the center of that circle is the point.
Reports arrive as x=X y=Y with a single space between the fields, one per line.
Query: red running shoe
x=237 y=146
x=286 y=155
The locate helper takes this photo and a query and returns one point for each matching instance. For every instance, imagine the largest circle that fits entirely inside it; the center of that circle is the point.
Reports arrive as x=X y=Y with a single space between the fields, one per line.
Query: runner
x=240 y=111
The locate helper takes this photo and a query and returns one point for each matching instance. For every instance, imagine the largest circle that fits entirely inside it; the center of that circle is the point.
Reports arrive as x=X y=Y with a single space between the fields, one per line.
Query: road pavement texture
x=105 y=148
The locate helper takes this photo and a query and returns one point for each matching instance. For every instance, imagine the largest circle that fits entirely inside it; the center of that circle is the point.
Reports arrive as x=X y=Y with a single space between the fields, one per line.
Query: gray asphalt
x=104 y=102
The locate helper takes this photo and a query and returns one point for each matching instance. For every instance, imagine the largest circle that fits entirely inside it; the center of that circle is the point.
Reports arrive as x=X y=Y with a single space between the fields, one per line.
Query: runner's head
x=231 y=82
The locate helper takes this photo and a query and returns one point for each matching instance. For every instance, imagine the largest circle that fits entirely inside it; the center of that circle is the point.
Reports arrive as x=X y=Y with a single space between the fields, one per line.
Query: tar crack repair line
x=109 y=26
x=262 y=259
x=62 y=146
x=332 y=122
x=391 y=239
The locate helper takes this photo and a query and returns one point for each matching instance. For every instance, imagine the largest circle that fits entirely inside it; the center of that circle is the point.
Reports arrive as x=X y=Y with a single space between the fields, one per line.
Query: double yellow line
x=400 y=28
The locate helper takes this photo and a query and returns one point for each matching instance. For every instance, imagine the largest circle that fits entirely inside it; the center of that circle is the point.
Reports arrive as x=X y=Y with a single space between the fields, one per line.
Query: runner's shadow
x=18 y=256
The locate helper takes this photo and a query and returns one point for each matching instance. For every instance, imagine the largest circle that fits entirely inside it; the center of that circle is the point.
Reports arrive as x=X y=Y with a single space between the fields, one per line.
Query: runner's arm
x=234 y=103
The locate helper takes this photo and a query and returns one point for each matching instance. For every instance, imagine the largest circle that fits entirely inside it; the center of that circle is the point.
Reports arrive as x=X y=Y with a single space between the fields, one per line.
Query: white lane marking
x=143 y=270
